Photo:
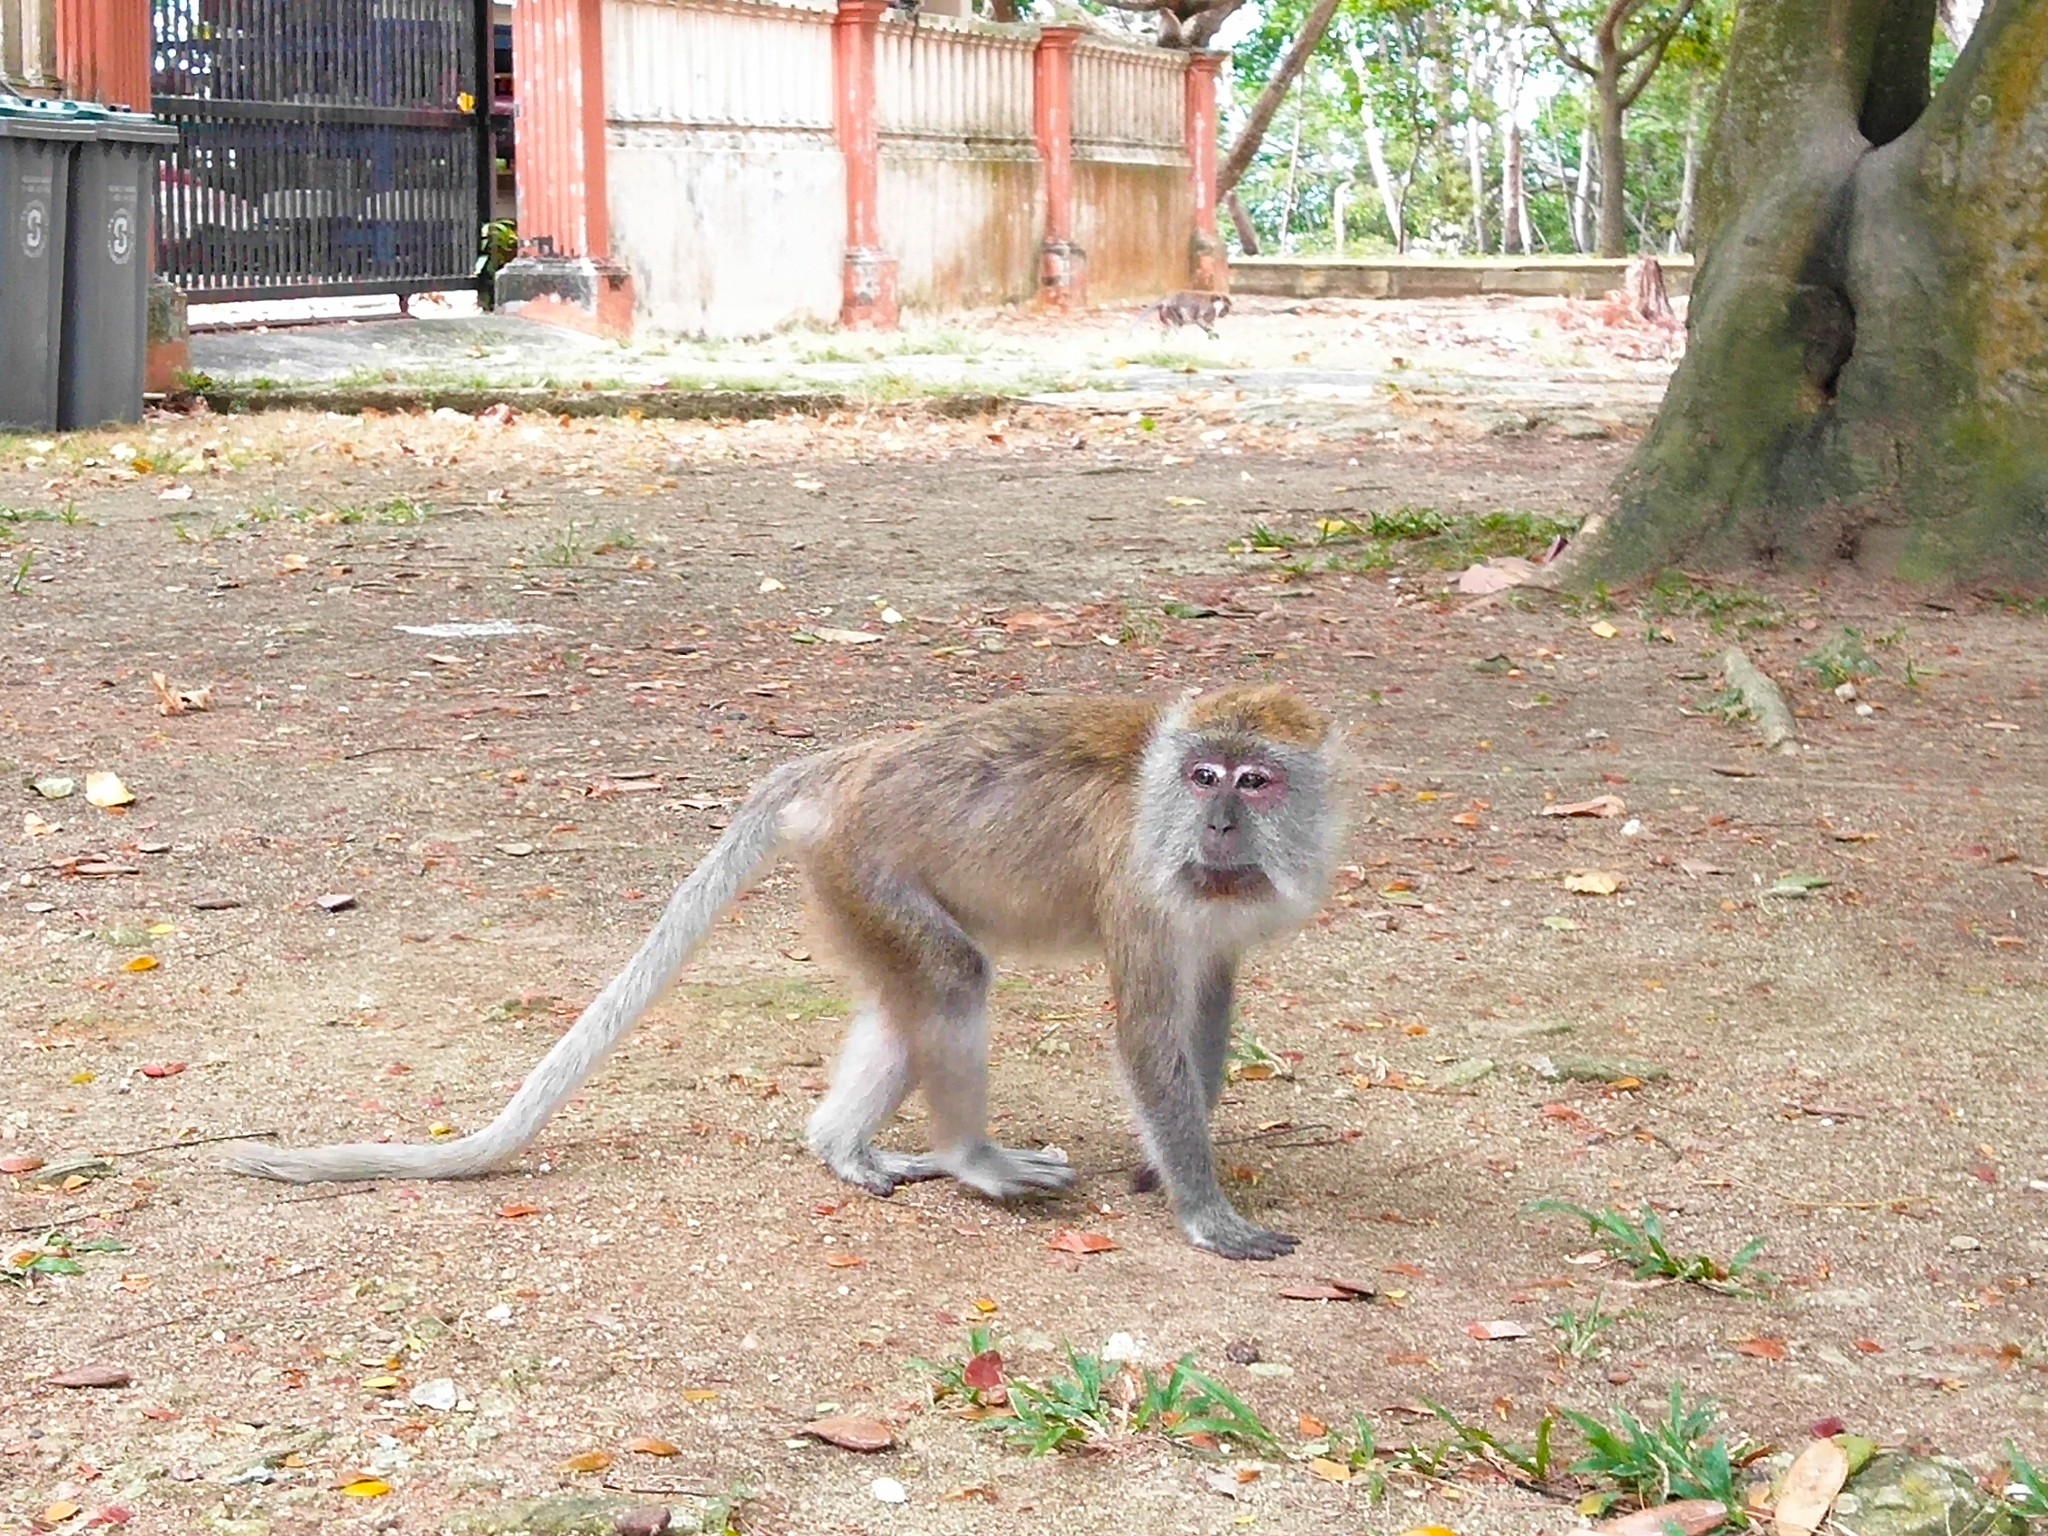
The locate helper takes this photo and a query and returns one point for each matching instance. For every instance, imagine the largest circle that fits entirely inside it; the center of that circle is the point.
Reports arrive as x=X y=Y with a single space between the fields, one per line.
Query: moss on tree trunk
x=1867 y=373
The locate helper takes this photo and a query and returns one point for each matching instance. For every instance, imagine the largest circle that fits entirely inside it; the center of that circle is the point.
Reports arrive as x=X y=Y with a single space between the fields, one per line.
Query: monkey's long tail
x=744 y=850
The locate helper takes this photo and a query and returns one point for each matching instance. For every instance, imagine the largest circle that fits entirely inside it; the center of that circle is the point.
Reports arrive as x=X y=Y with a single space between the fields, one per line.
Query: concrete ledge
x=1407 y=277
x=666 y=404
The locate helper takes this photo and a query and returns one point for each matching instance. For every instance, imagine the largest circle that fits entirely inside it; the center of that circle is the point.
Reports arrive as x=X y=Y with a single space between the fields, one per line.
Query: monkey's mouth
x=1228 y=881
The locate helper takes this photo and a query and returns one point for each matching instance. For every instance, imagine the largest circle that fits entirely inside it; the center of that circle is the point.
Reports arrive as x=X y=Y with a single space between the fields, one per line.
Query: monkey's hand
x=1229 y=1234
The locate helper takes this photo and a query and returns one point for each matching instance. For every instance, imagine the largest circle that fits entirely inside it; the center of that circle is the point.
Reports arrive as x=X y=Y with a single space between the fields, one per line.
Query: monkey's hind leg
x=868 y=1085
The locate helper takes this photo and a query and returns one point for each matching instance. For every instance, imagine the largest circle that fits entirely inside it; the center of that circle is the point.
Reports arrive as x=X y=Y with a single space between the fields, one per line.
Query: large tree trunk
x=1382 y=178
x=1867 y=375
x=1582 y=194
x=1613 y=161
x=1514 y=197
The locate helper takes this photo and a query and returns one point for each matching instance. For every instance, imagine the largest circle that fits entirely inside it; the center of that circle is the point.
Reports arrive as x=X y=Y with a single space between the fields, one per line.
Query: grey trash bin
x=37 y=142
x=106 y=267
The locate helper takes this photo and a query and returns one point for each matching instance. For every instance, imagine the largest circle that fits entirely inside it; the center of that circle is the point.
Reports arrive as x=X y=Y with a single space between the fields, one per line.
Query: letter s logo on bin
x=35 y=228
x=120 y=236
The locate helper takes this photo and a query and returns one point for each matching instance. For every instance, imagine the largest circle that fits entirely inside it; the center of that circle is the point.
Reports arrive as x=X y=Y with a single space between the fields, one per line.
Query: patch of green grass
x=1679 y=1456
x=565 y=550
x=2029 y=1490
x=1582 y=1335
x=1172 y=358
x=1676 y=594
x=1356 y=1447
x=1640 y=1242
x=1844 y=658
x=1530 y=1464
x=1089 y=1402
x=949 y=1377
x=393 y=512
x=1249 y=1058
x=54 y=1253
x=14 y=517
x=789 y=998
x=1425 y=536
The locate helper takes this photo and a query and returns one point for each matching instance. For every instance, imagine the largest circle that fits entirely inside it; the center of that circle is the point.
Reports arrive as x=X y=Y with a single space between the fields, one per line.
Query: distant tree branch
x=1564 y=49
x=1655 y=47
x=1239 y=160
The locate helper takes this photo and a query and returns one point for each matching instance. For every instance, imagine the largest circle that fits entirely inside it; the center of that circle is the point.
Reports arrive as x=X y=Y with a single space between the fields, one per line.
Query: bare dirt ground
x=1853 y=1074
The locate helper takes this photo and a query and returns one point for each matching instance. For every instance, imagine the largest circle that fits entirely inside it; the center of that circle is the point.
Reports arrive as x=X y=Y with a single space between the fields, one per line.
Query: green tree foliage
x=1415 y=84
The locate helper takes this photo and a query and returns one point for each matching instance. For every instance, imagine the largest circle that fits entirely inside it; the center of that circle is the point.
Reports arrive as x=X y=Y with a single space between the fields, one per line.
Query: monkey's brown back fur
x=1070 y=759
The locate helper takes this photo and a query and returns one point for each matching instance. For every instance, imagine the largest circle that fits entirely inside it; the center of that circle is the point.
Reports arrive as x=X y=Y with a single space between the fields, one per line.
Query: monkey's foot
x=871 y=1169
x=1006 y=1173
x=1230 y=1235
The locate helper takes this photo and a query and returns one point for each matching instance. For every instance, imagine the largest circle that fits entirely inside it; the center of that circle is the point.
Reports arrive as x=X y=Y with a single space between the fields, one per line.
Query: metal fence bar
x=324 y=146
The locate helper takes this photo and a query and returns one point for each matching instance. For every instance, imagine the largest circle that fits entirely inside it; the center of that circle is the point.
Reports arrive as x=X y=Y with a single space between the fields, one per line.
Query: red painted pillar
x=869 y=294
x=103 y=51
x=1211 y=271
x=564 y=271
x=1062 y=265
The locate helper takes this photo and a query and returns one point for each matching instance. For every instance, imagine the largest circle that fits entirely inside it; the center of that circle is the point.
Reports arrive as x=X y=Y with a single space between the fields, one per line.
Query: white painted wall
x=961 y=197
x=727 y=189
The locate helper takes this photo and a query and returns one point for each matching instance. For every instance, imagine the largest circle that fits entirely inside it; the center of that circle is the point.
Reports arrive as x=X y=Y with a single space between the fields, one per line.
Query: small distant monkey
x=1169 y=839
x=1189 y=308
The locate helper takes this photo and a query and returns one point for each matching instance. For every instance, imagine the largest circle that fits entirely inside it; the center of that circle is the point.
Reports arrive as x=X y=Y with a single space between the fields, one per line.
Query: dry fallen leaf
x=92 y=1376
x=588 y=1461
x=1330 y=1471
x=20 y=1164
x=1603 y=629
x=366 y=1488
x=1694 y=1517
x=516 y=1210
x=1814 y=1478
x=1594 y=882
x=1763 y=1349
x=844 y=1260
x=648 y=1445
x=176 y=701
x=161 y=1068
x=1067 y=1240
x=1501 y=1328
x=106 y=790
x=852 y=1432
x=984 y=1371
x=846 y=636
x=57 y=1514
x=1319 y=1290
x=1599 y=805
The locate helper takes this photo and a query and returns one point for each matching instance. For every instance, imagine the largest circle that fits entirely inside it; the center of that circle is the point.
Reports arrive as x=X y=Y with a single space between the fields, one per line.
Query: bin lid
x=28 y=119
x=119 y=124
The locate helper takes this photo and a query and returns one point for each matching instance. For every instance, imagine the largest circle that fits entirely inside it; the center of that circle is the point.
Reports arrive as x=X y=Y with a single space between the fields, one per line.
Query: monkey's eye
x=1205 y=776
x=1253 y=778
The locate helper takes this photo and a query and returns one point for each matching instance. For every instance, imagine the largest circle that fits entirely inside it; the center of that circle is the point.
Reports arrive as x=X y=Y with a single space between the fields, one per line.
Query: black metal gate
x=325 y=146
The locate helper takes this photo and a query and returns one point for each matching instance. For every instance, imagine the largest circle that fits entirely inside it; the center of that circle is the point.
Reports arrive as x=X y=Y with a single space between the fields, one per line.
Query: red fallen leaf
x=850 y=1432
x=1695 y=1517
x=1763 y=1349
x=162 y=1068
x=1563 y=1112
x=844 y=1260
x=113 y=1514
x=1067 y=1240
x=1202 y=1440
x=1985 y=1173
x=1828 y=1428
x=1868 y=1347
x=92 y=1376
x=515 y=1211
x=1500 y=1328
x=23 y=1164
x=984 y=1371
x=1411 y=1271
x=1422 y=1360
x=1316 y=1291
x=161 y=1415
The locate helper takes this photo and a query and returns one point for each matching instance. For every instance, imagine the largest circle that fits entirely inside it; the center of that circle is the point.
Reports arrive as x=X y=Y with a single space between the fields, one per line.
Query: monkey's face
x=1234 y=793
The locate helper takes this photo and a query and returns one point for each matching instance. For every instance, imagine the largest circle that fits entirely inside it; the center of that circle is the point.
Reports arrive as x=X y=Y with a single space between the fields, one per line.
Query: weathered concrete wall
x=1133 y=201
x=1425 y=277
x=727 y=187
x=962 y=205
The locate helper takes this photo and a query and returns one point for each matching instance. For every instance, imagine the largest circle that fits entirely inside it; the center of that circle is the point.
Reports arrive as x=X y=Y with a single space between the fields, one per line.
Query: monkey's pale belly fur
x=1167 y=839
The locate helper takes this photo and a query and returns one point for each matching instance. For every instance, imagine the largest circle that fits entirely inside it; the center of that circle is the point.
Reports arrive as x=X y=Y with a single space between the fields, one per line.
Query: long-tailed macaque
x=1188 y=308
x=1167 y=838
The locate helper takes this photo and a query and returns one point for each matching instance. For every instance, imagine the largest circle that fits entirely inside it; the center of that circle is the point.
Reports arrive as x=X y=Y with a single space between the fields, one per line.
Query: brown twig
x=398 y=746
x=197 y=1141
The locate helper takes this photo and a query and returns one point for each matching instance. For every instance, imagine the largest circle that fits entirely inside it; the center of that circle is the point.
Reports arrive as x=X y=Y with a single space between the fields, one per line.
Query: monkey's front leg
x=1158 y=1032
x=1210 y=1047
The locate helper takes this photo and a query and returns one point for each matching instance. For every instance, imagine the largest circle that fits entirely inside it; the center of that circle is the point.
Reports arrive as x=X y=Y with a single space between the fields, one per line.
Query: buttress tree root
x=1867 y=372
